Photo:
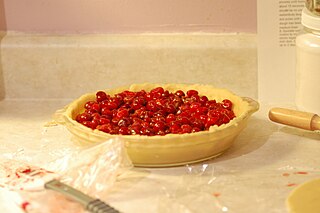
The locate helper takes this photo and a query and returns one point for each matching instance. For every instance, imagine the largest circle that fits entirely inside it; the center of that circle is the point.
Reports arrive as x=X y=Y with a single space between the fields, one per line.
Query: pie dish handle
x=59 y=116
x=253 y=105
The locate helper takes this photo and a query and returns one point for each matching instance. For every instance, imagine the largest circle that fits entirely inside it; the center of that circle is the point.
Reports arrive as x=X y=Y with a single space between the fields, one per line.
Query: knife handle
x=98 y=206
x=299 y=119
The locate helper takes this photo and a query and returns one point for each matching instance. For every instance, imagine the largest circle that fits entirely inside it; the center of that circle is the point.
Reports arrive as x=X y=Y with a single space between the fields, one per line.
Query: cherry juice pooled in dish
x=158 y=112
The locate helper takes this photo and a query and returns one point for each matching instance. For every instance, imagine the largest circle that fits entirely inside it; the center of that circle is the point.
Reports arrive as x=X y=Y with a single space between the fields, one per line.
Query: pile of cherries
x=158 y=112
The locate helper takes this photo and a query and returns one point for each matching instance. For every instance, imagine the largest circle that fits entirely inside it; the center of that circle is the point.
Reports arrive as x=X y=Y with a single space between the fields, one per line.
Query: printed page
x=279 y=22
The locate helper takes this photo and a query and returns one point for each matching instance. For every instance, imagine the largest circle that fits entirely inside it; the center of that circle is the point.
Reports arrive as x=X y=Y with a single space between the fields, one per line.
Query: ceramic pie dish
x=170 y=149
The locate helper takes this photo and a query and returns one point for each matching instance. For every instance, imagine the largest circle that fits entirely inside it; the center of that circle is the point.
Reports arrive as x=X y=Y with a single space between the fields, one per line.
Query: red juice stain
x=216 y=194
x=301 y=173
x=18 y=176
x=26 y=171
x=24 y=205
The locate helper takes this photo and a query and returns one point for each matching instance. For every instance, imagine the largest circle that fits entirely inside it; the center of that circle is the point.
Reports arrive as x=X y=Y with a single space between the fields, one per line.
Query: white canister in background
x=308 y=63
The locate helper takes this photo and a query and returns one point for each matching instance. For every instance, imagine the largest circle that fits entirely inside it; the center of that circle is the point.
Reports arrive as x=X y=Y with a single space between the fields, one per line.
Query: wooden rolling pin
x=303 y=120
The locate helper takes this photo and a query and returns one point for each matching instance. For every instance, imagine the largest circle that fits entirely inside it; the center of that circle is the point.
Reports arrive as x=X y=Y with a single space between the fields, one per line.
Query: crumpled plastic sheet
x=210 y=188
x=91 y=169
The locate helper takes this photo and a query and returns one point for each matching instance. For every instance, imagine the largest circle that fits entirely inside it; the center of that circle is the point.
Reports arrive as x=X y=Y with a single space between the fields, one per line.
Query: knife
x=90 y=204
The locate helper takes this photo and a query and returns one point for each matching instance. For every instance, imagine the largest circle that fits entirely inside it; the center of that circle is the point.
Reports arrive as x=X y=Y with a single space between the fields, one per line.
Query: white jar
x=308 y=63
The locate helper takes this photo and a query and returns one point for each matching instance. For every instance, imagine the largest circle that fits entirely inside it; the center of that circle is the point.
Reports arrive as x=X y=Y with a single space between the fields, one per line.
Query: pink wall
x=3 y=26
x=123 y=16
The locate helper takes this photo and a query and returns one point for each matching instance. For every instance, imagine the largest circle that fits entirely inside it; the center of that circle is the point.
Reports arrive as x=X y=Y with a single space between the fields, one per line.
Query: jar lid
x=310 y=20
x=313 y=6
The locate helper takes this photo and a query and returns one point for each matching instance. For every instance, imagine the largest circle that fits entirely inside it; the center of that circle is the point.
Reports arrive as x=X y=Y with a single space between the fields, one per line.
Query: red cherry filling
x=158 y=112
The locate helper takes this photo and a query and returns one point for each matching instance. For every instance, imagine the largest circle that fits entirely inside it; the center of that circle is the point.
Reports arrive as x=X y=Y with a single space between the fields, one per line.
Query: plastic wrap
x=90 y=169
x=214 y=188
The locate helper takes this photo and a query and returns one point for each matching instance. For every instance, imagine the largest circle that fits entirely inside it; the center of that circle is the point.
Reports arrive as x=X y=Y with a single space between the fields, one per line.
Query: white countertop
x=256 y=174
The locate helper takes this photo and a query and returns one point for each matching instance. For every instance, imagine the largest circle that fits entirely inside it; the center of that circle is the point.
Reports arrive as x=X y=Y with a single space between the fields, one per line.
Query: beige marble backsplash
x=2 y=89
x=64 y=67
